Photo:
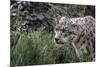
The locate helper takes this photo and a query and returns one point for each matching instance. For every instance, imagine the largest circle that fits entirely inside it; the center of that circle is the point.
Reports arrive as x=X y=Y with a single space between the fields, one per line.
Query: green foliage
x=39 y=49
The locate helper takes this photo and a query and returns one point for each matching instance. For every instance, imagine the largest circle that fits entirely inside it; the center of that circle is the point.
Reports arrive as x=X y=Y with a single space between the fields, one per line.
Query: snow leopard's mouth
x=60 y=42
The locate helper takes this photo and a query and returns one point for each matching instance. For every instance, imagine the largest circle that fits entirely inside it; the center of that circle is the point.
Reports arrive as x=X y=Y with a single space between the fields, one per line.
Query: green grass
x=39 y=49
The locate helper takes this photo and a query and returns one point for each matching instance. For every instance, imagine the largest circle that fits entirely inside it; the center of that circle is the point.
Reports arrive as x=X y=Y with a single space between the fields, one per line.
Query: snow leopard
x=79 y=32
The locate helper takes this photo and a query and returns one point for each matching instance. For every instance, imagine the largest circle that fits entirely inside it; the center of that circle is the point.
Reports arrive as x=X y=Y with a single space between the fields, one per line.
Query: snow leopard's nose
x=56 y=39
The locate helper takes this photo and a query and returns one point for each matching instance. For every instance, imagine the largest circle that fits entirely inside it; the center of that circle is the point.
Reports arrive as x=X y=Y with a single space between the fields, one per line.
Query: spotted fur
x=79 y=31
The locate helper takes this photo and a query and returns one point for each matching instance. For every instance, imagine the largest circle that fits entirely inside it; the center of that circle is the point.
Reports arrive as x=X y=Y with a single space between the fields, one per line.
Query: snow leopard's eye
x=68 y=33
x=63 y=30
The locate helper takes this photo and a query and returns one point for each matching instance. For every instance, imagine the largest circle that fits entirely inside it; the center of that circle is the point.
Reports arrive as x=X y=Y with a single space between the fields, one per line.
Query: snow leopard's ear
x=62 y=20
